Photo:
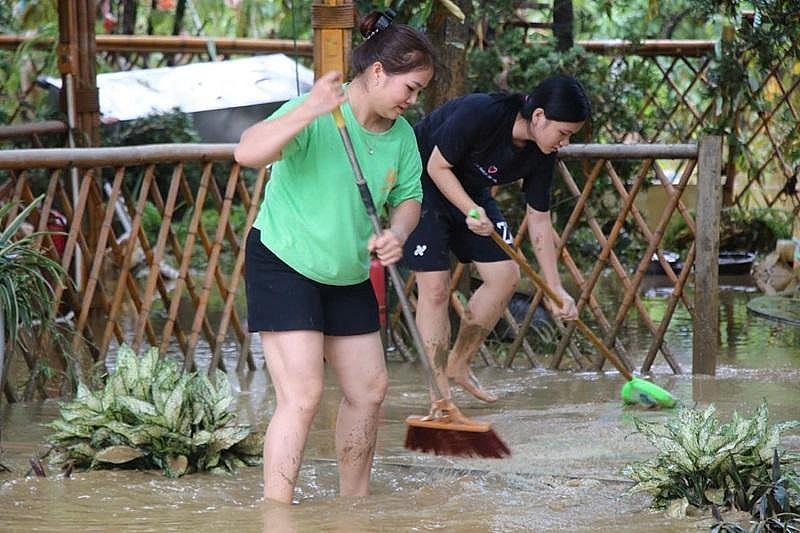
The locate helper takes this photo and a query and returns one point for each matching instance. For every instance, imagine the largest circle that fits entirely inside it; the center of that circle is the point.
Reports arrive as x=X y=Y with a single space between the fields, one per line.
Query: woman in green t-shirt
x=307 y=255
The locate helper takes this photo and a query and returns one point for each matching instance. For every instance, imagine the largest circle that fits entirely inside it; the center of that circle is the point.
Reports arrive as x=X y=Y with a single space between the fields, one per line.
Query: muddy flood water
x=568 y=432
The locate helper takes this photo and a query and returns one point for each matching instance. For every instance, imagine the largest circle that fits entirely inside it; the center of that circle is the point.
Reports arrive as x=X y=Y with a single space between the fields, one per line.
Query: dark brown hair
x=398 y=47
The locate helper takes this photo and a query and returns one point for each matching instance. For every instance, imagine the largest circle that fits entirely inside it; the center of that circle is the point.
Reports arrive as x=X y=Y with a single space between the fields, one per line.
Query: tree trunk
x=450 y=37
x=180 y=13
x=563 y=21
x=128 y=17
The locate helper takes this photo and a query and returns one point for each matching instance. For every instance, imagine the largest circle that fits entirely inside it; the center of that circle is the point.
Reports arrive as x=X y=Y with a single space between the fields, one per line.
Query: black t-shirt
x=473 y=133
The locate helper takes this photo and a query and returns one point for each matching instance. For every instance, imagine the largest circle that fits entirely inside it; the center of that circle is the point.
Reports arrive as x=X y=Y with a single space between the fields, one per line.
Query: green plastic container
x=643 y=392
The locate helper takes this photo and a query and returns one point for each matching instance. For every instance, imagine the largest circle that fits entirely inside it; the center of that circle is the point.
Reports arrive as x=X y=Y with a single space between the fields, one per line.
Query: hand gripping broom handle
x=397 y=281
x=542 y=284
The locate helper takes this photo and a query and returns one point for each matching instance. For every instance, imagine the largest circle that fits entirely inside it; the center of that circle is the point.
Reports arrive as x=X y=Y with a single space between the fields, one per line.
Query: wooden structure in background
x=196 y=301
x=332 y=21
x=180 y=314
x=77 y=65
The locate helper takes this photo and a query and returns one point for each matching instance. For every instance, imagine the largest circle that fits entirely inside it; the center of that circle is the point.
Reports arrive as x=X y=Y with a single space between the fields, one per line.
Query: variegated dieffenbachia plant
x=704 y=462
x=150 y=414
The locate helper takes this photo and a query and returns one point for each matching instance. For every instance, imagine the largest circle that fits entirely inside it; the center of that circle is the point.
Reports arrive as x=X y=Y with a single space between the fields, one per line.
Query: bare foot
x=471 y=384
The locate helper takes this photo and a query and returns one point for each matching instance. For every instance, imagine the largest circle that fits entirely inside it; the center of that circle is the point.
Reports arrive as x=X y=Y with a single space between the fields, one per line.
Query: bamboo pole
x=44 y=127
x=332 y=21
x=223 y=45
x=628 y=151
x=174 y=44
x=95 y=157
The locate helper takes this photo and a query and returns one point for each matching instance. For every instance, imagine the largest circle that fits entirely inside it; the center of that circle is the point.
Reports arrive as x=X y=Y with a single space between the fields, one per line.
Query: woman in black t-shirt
x=468 y=145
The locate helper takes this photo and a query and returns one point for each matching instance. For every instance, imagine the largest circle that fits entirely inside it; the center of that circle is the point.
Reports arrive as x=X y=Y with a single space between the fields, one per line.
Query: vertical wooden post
x=705 y=341
x=81 y=101
x=796 y=239
x=76 y=63
x=332 y=22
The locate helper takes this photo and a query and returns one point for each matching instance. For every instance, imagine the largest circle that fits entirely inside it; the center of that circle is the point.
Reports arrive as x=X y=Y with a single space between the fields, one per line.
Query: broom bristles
x=475 y=439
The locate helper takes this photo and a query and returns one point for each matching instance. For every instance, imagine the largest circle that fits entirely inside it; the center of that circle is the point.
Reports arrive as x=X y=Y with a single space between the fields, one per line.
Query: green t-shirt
x=312 y=216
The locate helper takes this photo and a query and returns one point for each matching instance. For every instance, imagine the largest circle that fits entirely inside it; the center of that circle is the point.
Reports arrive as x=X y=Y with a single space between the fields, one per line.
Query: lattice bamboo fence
x=155 y=239
x=171 y=307
x=154 y=243
x=763 y=128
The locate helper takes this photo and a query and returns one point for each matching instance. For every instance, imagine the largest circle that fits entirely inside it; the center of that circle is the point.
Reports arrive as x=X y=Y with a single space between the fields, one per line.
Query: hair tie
x=384 y=21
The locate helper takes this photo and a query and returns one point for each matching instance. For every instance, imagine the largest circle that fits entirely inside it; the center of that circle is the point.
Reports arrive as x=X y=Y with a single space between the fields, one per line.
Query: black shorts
x=442 y=230
x=281 y=299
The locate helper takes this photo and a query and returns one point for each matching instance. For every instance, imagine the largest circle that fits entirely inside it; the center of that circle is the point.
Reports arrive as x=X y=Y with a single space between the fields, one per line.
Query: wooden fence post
x=81 y=103
x=332 y=21
x=705 y=340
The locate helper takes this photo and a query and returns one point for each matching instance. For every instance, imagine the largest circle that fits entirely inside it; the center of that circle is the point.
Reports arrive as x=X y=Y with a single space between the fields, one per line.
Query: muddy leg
x=481 y=314
x=433 y=322
x=361 y=371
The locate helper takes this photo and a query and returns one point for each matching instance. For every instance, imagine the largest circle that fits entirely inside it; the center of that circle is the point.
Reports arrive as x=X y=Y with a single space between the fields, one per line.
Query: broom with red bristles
x=445 y=430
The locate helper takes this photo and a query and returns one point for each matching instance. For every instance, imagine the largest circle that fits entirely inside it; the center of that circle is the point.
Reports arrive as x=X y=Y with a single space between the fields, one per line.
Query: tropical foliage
x=26 y=274
x=151 y=415
x=702 y=461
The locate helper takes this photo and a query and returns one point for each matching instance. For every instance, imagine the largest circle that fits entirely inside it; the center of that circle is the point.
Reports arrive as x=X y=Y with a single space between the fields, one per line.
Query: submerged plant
x=150 y=414
x=707 y=462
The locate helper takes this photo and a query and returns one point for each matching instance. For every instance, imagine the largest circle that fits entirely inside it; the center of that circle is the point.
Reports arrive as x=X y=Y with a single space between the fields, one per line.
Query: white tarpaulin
x=251 y=83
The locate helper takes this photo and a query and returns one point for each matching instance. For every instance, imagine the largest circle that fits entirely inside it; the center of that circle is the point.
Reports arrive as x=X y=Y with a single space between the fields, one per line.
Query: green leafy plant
x=150 y=414
x=26 y=277
x=776 y=509
x=26 y=272
x=710 y=463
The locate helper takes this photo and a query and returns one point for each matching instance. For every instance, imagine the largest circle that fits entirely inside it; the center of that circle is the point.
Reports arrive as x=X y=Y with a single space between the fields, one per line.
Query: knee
x=372 y=392
x=505 y=280
x=435 y=296
x=378 y=388
x=302 y=403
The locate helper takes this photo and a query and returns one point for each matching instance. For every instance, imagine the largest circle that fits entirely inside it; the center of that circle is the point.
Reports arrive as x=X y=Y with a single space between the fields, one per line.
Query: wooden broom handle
x=542 y=284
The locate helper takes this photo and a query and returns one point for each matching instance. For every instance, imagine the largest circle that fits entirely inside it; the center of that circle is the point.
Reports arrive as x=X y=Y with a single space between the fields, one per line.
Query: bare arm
x=441 y=172
x=540 y=230
x=262 y=143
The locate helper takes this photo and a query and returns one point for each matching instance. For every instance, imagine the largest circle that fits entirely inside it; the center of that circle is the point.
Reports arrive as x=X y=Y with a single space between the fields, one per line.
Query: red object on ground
x=378 y=278
x=57 y=222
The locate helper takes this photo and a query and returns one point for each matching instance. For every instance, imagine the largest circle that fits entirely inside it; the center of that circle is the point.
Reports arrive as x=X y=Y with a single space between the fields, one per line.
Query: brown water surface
x=568 y=433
